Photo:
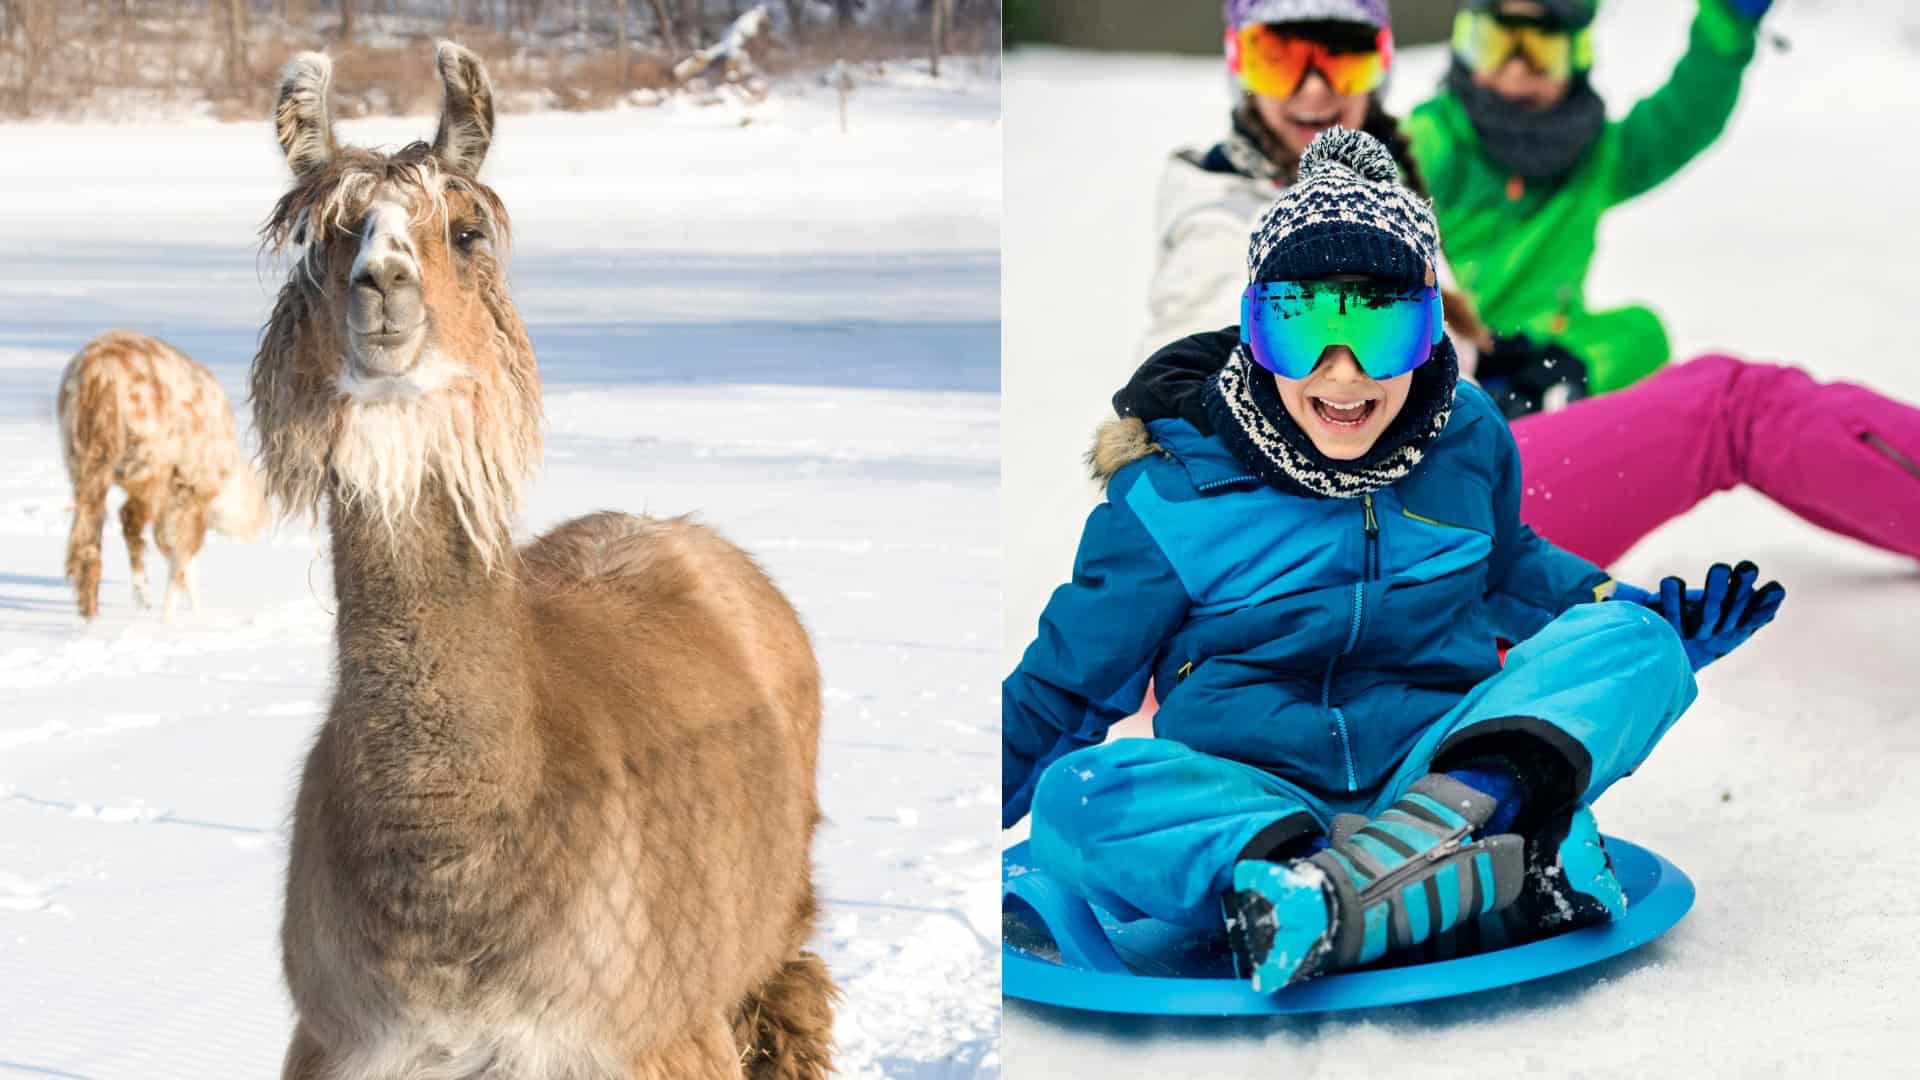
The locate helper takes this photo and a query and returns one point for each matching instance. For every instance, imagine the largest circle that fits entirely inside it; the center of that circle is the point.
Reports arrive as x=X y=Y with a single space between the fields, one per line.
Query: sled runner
x=1059 y=950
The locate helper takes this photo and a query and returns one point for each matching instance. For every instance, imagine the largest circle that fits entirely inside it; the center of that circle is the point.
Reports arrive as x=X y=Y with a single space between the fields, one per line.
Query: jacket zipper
x=1186 y=669
x=1370 y=569
x=1412 y=868
x=1436 y=521
x=1211 y=484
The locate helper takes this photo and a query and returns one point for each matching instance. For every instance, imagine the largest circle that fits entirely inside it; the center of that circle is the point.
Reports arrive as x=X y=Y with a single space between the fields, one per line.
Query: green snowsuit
x=1522 y=253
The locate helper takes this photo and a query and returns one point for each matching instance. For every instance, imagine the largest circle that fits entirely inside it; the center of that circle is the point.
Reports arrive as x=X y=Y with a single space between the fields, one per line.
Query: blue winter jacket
x=1315 y=638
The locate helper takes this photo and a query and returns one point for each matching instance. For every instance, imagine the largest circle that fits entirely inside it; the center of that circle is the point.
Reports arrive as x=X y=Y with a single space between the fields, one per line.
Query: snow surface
x=1786 y=791
x=742 y=313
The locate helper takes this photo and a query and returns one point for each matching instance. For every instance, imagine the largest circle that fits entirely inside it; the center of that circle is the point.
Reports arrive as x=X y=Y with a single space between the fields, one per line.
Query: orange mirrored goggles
x=1273 y=63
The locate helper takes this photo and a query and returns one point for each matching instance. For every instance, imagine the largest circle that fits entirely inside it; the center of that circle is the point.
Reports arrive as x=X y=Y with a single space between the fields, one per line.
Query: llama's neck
x=433 y=692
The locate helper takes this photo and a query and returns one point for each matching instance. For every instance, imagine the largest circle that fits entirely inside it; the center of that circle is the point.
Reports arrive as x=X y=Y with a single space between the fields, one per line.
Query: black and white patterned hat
x=1347 y=214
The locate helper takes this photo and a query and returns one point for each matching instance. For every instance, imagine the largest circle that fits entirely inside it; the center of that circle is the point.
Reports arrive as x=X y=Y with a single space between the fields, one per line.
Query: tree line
x=45 y=43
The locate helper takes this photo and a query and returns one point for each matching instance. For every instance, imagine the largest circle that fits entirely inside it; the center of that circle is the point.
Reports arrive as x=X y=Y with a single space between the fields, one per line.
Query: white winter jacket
x=1202 y=220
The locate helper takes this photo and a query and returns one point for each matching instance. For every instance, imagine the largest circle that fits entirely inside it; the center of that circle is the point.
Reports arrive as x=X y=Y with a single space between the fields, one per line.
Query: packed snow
x=739 y=312
x=1786 y=791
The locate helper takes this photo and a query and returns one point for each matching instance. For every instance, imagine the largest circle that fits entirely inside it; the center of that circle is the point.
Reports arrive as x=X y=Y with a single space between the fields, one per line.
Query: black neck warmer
x=1248 y=415
x=1537 y=146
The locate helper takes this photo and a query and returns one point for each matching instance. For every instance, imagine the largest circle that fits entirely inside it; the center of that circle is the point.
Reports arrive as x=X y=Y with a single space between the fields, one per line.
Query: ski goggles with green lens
x=1287 y=325
x=1484 y=41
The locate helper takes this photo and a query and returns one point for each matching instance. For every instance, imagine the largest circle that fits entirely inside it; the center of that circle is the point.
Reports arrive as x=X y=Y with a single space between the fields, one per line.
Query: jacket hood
x=1167 y=387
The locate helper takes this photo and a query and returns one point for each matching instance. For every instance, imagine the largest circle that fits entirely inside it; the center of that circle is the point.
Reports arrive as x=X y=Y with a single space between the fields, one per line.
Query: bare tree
x=692 y=27
x=37 y=20
x=663 y=18
x=620 y=44
x=939 y=24
x=233 y=15
x=346 y=20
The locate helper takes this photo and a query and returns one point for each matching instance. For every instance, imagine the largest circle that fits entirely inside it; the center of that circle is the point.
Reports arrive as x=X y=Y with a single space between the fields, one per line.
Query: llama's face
x=394 y=357
x=402 y=257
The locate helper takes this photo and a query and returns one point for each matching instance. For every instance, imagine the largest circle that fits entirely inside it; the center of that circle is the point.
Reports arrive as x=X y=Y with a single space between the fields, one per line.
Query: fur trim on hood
x=1118 y=443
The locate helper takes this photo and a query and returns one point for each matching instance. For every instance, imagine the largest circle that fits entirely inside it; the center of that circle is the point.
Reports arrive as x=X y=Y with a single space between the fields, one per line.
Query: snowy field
x=738 y=312
x=1786 y=793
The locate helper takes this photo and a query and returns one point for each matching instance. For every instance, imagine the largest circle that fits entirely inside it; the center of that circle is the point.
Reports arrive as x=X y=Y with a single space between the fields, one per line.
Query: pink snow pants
x=1606 y=471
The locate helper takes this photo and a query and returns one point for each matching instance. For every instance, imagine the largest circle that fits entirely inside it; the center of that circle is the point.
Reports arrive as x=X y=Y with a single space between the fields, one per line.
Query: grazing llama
x=556 y=823
x=135 y=411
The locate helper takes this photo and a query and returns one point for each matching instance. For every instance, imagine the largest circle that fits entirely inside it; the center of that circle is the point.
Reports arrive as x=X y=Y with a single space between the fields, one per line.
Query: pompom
x=1353 y=150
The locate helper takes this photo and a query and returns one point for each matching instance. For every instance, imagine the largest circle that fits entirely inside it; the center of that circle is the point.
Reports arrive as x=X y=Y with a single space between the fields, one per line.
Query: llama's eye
x=467 y=237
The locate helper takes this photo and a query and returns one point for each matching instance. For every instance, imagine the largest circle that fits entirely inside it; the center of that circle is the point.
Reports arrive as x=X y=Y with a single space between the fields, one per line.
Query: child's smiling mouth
x=1311 y=126
x=1348 y=415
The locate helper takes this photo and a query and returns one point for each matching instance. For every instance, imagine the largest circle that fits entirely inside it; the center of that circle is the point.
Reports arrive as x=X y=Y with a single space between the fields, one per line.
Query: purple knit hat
x=1239 y=13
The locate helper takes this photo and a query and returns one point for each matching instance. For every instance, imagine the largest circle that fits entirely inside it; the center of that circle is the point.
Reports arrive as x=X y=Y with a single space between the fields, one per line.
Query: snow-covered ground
x=746 y=314
x=1786 y=792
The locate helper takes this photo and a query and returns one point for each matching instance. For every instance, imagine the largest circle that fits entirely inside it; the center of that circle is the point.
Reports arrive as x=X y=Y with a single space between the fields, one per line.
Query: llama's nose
x=386 y=275
x=385 y=297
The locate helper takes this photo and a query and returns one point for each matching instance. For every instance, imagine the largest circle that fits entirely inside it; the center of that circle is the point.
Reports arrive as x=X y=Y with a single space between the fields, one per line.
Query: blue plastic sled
x=1154 y=968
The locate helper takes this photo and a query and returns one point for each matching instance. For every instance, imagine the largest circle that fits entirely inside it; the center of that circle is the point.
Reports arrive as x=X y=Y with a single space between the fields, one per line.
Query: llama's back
x=137 y=406
x=680 y=640
x=690 y=589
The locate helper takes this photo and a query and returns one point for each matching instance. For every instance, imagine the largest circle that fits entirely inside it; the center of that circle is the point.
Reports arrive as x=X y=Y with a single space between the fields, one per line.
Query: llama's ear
x=300 y=119
x=466 y=120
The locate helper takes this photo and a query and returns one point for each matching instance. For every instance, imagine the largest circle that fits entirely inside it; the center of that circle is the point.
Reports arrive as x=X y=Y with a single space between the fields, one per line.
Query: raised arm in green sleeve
x=1668 y=128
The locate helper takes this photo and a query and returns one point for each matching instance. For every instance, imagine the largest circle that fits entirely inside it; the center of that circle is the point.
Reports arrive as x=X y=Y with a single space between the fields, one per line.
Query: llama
x=557 y=820
x=137 y=412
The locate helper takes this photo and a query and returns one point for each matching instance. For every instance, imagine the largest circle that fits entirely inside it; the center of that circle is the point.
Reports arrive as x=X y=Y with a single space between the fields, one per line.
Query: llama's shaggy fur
x=557 y=821
x=136 y=412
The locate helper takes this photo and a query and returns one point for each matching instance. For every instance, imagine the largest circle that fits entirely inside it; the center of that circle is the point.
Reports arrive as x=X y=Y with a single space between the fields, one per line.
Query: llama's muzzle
x=386 y=324
x=395 y=312
x=386 y=313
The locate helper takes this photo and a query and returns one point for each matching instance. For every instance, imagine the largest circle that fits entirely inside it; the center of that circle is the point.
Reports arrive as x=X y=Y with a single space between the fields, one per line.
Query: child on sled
x=1344 y=769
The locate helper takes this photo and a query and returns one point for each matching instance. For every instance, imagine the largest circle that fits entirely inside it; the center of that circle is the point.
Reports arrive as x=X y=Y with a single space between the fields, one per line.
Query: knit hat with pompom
x=1347 y=214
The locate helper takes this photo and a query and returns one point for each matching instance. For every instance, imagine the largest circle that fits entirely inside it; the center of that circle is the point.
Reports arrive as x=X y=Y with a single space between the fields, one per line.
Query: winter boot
x=1380 y=886
x=1569 y=884
x=1570 y=879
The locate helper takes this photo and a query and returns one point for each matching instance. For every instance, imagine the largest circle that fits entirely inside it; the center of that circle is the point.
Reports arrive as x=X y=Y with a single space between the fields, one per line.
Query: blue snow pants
x=1149 y=827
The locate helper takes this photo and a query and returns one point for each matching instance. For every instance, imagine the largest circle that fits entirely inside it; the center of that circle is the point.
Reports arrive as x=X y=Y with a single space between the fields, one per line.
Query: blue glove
x=1715 y=620
x=1750 y=9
